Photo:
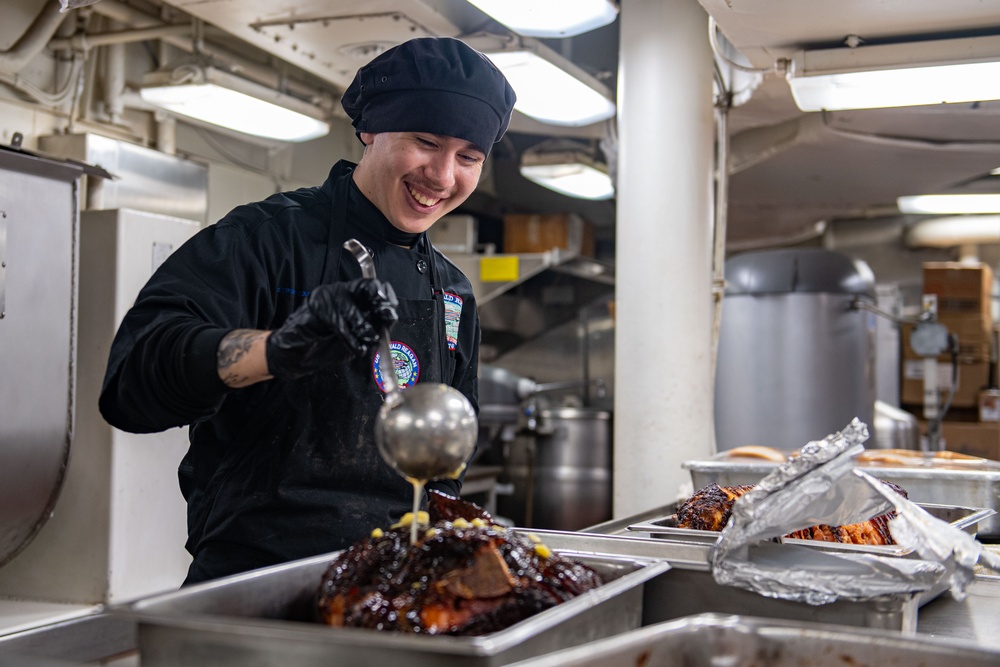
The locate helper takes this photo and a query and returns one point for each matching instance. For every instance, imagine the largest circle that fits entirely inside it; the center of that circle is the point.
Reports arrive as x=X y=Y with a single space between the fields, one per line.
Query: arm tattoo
x=232 y=348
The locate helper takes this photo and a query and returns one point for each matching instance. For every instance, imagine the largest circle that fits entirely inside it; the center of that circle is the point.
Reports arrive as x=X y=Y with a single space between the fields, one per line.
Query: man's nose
x=441 y=170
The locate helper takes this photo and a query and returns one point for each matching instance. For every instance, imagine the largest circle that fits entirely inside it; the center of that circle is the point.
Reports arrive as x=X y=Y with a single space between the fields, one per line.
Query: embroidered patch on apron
x=452 y=316
x=405 y=363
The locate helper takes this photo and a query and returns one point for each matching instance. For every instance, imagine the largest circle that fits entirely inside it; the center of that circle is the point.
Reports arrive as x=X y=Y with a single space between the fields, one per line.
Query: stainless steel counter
x=90 y=639
x=85 y=638
x=976 y=619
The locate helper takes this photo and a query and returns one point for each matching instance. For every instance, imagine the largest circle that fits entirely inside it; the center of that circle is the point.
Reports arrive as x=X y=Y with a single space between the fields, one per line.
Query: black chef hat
x=437 y=85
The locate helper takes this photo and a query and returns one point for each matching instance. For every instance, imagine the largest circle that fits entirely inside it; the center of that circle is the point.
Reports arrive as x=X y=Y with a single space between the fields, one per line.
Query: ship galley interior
x=706 y=373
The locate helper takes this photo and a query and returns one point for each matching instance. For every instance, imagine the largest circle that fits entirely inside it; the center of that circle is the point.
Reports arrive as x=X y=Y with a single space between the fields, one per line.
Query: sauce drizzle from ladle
x=418 y=493
x=426 y=432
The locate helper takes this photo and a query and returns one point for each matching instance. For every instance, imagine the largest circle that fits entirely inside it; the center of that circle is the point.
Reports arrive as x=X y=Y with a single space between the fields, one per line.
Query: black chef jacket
x=284 y=469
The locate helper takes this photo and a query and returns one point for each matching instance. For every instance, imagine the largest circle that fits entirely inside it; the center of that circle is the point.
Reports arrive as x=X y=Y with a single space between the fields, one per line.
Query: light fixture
x=897 y=75
x=550 y=18
x=573 y=173
x=209 y=95
x=550 y=88
x=949 y=204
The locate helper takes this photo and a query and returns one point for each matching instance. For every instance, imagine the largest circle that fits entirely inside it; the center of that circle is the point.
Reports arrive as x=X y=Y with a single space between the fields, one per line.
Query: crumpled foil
x=822 y=486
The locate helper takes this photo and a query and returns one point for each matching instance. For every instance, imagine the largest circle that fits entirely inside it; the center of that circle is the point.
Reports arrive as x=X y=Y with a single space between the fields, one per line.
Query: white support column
x=663 y=309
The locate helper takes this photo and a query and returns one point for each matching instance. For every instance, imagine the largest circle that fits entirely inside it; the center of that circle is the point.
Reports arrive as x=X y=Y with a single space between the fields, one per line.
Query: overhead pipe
x=125 y=15
x=955 y=230
x=265 y=76
x=64 y=57
x=33 y=40
x=720 y=219
x=166 y=133
x=83 y=42
x=112 y=68
x=114 y=82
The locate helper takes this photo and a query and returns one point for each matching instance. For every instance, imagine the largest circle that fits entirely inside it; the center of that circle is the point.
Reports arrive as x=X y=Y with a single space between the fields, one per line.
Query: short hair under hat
x=438 y=85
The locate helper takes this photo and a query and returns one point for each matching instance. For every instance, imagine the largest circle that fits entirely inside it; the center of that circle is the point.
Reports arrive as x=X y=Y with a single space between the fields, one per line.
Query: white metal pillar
x=663 y=293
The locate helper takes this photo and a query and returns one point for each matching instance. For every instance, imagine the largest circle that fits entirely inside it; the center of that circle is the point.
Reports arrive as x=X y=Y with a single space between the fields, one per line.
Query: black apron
x=305 y=477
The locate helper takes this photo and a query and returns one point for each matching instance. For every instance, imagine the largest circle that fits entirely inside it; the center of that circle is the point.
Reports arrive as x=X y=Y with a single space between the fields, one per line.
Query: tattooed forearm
x=238 y=357
x=234 y=346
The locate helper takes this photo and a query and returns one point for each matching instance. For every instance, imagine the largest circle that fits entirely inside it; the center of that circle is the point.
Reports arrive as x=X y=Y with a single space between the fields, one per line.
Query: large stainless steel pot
x=796 y=356
x=562 y=473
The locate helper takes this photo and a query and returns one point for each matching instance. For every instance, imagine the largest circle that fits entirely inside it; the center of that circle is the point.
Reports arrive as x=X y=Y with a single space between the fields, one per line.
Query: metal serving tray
x=964 y=518
x=266 y=617
x=973 y=484
x=688 y=587
x=712 y=639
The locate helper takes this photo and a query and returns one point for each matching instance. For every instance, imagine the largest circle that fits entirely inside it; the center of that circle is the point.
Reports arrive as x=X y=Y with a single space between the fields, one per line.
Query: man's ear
x=367 y=138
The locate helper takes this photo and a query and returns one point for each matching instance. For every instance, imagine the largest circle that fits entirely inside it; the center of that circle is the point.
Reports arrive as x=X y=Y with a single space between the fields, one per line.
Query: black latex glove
x=336 y=322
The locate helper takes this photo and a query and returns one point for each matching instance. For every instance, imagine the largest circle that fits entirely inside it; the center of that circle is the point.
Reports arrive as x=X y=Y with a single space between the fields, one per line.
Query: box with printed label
x=960 y=288
x=969 y=378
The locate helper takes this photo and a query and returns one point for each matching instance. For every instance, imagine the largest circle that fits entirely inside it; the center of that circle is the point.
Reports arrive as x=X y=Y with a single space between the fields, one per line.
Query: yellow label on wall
x=499 y=269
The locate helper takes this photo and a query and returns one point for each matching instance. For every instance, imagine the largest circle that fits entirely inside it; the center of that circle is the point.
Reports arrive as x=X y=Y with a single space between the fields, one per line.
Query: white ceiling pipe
x=956 y=230
x=33 y=40
x=82 y=42
x=968 y=254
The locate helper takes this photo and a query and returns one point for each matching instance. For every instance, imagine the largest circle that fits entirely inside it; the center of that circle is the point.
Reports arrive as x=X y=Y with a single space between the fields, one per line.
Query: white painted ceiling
x=792 y=171
x=824 y=167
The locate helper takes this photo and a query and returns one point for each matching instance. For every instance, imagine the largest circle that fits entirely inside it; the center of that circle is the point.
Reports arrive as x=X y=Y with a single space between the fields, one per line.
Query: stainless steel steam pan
x=688 y=587
x=712 y=639
x=266 y=617
x=944 y=483
x=964 y=518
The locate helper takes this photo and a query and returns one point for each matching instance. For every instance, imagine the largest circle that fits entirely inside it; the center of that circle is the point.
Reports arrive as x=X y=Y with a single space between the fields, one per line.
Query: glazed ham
x=464 y=576
x=710 y=507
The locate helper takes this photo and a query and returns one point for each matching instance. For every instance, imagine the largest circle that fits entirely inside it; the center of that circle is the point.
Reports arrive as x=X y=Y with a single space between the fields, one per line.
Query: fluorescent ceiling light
x=212 y=96
x=896 y=75
x=571 y=173
x=550 y=94
x=550 y=18
x=949 y=204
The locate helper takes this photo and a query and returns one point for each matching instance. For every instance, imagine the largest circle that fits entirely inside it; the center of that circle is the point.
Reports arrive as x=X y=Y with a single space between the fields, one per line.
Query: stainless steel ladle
x=427 y=431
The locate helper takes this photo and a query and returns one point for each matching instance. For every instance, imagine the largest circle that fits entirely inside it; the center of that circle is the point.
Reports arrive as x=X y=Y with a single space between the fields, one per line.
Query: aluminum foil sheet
x=822 y=486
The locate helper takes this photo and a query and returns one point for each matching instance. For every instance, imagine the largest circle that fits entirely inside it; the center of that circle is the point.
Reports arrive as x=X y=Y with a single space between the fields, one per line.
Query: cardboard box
x=528 y=233
x=972 y=438
x=972 y=378
x=455 y=234
x=960 y=288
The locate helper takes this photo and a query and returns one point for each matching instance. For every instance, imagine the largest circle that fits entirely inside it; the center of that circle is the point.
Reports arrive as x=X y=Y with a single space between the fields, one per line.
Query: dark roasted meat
x=443 y=507
x=465 y=576
x=710 y=507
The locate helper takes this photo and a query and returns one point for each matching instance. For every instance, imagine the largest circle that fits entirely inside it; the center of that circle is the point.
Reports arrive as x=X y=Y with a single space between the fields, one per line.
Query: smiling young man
x=260 y=333
x=415 y=178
